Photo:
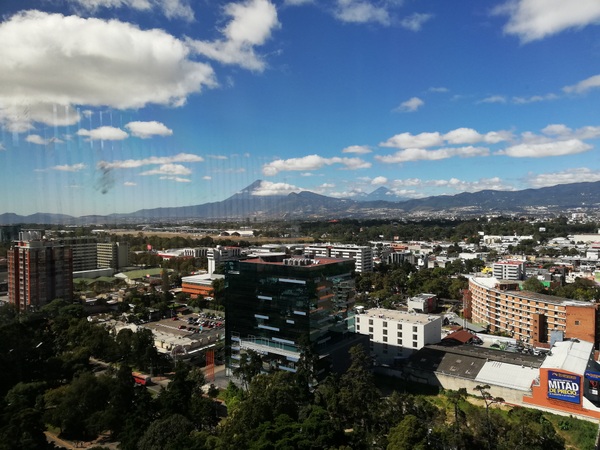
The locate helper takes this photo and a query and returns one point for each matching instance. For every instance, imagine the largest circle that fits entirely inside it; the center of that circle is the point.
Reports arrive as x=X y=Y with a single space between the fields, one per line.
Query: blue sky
x=118 y=105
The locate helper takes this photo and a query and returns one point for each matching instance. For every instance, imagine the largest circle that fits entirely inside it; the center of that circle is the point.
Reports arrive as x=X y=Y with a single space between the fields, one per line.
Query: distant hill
x=308 y=205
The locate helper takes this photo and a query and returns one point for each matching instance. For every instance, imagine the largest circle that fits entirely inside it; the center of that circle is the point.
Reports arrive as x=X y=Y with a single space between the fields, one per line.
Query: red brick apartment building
x=528 y=316
x=39 y=271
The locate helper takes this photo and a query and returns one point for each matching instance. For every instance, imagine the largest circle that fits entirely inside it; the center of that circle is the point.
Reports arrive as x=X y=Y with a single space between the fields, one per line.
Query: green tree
x=358 y=395
x=409 y=434
x=250 y=366
x=170 y=433
x=532 y=284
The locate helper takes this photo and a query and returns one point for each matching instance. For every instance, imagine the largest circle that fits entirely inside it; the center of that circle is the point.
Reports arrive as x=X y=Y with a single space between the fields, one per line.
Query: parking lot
x=187 y=333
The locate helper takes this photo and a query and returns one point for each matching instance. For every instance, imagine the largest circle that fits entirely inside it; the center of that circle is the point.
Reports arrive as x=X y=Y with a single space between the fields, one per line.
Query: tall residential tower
x=39 y=271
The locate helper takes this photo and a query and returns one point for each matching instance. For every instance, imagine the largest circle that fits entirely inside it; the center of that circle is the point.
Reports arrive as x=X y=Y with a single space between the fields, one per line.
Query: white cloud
x=410 y=105
x=169 y=169
x=172 y=9
x=420 y=154
x=252 y=23
x=357 y=149
x=378 y=181
x=129 y=183
x=297 y=2
x=50 y=63
x=541 y=150
x=557 y=130
x=146 y=130
x=534 y=99
x=37 y=139
x=407 y=140
x=153 y=160
x=105 y=133
x=575 y=175
x=454 y=184
x=536 y=19
x=207 y=177
x=220 y=157
x=69 y=168
x=361 y=11
x=177 y=179
x=584 y=85
x=2 y=147
x=267 y=188
x=463 y=136
x=311 y=162
x=415 y=21
x=470 y=136
x=494 y=99
x=437 y=90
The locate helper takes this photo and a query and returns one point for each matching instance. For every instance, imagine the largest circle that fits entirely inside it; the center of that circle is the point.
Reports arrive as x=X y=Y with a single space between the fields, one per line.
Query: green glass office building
x=276 y=302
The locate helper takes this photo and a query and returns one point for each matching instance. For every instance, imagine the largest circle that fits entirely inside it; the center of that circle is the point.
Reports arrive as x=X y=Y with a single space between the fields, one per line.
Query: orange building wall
x=539 y=396
x=582 y=323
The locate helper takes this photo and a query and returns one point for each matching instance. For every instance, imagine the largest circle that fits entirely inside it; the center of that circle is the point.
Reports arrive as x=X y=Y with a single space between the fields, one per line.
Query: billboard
x=564 y=386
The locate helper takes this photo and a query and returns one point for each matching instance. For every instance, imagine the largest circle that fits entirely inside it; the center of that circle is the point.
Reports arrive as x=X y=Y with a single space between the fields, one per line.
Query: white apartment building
x=395 y=334
x=220 y=255
x=509 y=270
x=362 y=255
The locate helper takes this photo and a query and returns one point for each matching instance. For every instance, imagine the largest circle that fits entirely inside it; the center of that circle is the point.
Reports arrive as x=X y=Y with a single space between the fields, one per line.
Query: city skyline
x=113 y=106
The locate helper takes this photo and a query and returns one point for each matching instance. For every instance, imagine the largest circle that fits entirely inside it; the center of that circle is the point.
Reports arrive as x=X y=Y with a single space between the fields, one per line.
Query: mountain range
x=381 y=203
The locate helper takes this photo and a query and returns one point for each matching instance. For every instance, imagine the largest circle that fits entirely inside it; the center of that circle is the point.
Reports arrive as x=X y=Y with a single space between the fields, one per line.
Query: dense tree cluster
x=48 y=381
x=463 y=230
x=388 y=285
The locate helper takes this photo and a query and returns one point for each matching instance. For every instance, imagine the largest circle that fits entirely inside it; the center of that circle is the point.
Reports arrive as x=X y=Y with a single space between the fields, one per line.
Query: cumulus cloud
x=267 y=188
x=153 y=160
x=105 y=133
x=575 y=175
x=357 y=149
x=410 y=105
x=311 y=162
x=129 y=183
x=361 y=11
x=453 y=137
x=583 y=86
x=420 y=154
x=37 y=139
x=541 y=150
x=470 y=136
x=176 y=179
x=494 y=99
x=207 y=177
x=50 y=63
x=251 y=25
x=69 y=168
x=453 y=184
x=558 y=129
x=297 y=2
x=534 y=99
x=169 y=169
x=146 y=130
x=408 y=140
x=220 y=157
x=531 y=20
x=378 y=181
x=415 y=21
x=172 y=9
x=438 y=90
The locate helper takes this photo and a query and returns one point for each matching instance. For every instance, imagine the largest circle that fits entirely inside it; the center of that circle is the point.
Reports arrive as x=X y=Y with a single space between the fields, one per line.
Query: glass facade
x=273 y=303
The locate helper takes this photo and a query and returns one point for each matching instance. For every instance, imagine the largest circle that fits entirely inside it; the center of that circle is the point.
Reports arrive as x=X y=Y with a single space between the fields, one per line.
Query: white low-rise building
x=396 y=334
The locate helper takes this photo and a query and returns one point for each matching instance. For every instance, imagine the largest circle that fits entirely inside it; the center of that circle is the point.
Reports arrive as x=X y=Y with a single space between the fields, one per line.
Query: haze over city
x=119 y=105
